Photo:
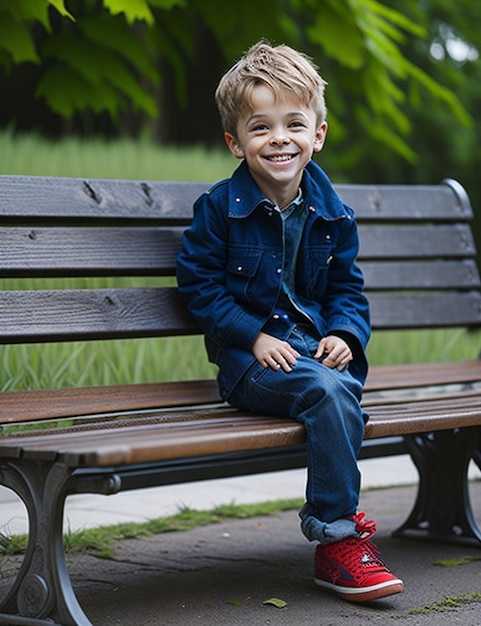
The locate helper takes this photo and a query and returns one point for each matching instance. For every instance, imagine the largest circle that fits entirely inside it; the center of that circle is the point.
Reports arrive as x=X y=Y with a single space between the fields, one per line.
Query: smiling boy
x=268 y=269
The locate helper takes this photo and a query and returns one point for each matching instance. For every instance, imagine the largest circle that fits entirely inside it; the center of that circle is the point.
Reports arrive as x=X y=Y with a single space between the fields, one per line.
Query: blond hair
x=285 y=70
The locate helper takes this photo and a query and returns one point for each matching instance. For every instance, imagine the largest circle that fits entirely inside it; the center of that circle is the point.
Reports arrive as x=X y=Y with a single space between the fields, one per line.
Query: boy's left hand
x=334 y=352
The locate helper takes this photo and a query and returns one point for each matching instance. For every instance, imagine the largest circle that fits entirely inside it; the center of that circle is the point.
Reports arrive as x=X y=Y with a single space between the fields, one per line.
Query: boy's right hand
x=274 y=353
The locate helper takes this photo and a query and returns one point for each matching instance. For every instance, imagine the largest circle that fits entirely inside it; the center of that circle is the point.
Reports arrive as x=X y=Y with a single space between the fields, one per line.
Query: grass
x=120 y=158
x=447 y=604
x=149 y=360
x=101 y=541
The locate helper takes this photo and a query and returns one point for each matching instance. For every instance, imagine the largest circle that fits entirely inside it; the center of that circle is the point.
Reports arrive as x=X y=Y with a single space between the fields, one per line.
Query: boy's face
x=277 y=139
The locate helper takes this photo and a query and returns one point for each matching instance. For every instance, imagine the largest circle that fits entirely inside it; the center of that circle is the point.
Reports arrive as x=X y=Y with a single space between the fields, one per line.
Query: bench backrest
x=417 y=252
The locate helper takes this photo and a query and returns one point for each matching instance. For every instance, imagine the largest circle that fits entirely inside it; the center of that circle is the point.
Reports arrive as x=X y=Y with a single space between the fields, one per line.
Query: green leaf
x=67 y=92
x=442 y=93
x=340 y=38
x=16 y=39
x=33 y=10
x=113 y=33
x=168 y=4
x=277 y=602
x=396 y=17
x=99 y=66
x=132 y=9
x=60 y=6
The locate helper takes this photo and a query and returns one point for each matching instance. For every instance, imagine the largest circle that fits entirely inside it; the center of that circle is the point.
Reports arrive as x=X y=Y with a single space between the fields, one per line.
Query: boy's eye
x=259 y=127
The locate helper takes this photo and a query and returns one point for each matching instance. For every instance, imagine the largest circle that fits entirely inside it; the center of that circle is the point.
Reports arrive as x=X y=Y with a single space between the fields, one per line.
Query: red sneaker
x=353 y=568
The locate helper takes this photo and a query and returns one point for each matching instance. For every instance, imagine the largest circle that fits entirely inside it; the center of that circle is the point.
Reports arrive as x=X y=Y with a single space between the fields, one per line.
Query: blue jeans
x=327 y=402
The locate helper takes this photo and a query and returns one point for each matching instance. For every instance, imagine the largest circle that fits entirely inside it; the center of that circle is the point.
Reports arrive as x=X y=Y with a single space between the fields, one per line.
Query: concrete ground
x=225 y=574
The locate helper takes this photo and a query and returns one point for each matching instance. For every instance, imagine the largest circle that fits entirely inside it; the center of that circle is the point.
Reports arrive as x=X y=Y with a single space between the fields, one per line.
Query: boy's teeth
x=285 y=157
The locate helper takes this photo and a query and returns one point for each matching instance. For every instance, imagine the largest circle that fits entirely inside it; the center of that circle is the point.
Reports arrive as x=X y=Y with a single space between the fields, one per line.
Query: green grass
x=119 y=159
x=101 y=541
x=148 y=360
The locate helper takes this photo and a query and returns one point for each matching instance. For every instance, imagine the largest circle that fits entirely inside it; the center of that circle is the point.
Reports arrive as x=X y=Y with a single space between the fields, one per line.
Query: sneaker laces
x=358 y=554
x=365 y=528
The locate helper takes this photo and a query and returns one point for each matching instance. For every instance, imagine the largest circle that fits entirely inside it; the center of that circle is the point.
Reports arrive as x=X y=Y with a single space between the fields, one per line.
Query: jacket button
x=312 y=209
x=239 y=268
x=278 y=270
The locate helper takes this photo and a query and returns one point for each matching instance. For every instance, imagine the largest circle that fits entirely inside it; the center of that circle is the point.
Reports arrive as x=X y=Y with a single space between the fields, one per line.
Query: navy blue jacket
x=230 y=270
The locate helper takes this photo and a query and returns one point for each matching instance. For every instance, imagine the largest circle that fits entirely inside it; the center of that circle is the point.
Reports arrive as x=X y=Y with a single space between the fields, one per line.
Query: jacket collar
x=318 y=193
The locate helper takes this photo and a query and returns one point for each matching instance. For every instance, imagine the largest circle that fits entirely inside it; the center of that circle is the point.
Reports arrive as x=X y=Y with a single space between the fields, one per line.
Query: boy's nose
x=279 y=138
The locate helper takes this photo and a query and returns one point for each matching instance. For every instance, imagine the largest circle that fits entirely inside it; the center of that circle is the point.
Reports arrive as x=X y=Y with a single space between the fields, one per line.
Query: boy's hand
x=334 y=352
x=274 y=353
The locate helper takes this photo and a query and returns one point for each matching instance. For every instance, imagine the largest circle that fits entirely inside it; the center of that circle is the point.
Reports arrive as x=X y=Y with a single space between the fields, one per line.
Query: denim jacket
x=230 y=270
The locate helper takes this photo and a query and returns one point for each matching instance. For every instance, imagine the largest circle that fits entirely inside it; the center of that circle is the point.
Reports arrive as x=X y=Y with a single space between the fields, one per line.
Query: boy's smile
x=277 y=139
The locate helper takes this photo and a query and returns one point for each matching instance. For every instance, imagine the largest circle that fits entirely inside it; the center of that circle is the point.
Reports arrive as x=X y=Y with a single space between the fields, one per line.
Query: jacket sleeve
x=201 y=276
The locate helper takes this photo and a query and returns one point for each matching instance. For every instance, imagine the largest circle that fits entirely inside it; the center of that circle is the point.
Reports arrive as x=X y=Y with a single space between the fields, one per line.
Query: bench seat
x=142 y=428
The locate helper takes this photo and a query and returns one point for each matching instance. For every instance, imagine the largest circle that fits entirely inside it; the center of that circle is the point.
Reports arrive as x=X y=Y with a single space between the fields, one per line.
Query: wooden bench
x=419 y=260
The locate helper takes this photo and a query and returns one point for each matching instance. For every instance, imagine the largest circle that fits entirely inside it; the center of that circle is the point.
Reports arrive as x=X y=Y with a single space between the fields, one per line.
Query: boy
x=268 y=271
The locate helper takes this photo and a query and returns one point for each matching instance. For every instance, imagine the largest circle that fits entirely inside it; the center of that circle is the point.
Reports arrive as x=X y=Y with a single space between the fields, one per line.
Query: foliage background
x=404 y=78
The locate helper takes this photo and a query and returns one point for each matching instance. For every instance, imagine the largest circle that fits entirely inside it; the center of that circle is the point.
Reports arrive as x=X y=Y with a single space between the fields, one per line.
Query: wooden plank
x=420 y=274
x=424 y=310
x=416 y=242
x=448 y=202
x=42 y=404
x=416 y=375
x=81 y=314
x=147 y=312
x=84 y=251
x=220 y=432
x=93 y=199
x=213 y=433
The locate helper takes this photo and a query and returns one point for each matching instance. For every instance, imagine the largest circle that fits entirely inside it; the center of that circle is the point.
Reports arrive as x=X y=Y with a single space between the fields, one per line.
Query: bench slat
x=73 y=199
x=144 y=312
x=416 y=375
x=223 y=431
x=39 y=252
x=43 y=252
x=420 y=275
x=425 y=310
x=448 y=202
x=421 y=241
x=40 y=404
x=89 y=314
x=82 y=314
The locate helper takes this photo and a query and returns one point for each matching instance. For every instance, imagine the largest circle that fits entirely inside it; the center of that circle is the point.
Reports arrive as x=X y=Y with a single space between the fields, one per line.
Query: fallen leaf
x=277 y=602
x=456 y=562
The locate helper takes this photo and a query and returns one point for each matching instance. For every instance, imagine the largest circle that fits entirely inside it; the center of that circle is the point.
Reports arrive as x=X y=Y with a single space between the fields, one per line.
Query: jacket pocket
x=314 y=270
x=242 y=268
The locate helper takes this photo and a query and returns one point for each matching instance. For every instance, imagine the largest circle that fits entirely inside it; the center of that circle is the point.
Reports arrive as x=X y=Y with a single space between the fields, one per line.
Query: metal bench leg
x=442 y=511
x=42 y=593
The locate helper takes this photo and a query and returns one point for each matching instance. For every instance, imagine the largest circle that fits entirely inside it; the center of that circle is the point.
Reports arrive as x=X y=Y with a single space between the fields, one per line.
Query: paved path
x=90 y=510
x=222 y=574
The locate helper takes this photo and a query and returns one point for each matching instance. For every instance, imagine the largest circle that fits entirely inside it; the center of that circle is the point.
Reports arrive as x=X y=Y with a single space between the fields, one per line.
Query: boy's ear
x=320 y=137
x=233 y=146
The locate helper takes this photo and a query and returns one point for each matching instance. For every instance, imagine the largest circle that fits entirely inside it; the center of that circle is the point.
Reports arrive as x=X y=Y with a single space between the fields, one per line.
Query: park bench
x=419 y=259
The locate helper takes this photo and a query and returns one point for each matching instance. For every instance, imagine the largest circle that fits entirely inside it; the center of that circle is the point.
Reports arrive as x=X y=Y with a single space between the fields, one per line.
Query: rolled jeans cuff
x=326 y=532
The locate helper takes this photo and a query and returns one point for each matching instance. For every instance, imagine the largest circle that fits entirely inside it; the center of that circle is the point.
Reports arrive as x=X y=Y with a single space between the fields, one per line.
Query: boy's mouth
x=279 y=158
